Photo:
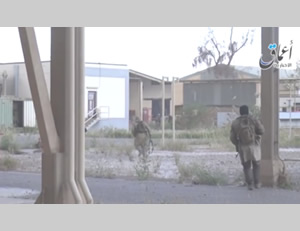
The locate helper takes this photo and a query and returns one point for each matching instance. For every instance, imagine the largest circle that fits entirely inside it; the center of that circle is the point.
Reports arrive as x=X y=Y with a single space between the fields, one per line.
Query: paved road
x=125 y=191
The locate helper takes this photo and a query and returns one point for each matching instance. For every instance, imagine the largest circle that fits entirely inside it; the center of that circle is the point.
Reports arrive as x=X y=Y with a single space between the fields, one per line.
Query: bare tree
x=214 y=52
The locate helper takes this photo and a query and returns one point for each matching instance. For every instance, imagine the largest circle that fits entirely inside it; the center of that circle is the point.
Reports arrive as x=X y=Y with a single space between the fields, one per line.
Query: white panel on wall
x=29 y=114
x=92 y=82
x=112 y=94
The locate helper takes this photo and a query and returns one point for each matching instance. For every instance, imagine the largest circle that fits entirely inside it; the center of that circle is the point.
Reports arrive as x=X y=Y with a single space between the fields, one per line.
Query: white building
x=106 y=92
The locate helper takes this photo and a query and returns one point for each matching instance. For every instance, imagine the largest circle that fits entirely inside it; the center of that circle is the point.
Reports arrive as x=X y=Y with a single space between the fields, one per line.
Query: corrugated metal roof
x=252 y=71
x=141 y=75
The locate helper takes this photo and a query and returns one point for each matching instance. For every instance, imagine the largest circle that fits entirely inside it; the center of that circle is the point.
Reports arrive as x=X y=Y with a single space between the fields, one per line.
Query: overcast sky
x=156 y=51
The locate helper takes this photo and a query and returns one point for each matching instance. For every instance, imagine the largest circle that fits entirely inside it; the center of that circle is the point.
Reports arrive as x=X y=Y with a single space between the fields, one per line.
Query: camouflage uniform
x=249 y=154
x=142 y=138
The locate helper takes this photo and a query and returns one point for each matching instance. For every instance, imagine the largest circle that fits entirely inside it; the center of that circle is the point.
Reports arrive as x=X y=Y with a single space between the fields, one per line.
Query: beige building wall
x=154 y=90
x=147 y=103
x=134 y=96
x=178 y=94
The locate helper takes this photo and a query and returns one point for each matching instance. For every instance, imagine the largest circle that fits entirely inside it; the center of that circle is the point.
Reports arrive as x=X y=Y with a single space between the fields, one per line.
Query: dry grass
x=197 y=174
x=178 y=145
x=8 y=143
x=7 y=163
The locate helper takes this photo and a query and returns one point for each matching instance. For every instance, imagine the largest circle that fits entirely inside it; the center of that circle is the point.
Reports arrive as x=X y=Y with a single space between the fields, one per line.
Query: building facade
x=106 y=92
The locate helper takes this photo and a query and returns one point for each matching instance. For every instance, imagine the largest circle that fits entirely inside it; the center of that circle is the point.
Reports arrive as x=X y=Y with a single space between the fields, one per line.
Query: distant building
x=225 y=89
x=106 y=93
x=146 y=96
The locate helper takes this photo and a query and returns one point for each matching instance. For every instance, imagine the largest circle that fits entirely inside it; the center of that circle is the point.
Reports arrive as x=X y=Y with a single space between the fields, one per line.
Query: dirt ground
x=118 y=159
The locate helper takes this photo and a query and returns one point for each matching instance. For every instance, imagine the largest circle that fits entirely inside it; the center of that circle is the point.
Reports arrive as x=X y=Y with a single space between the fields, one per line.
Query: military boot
x=248 y=178
x=256 y=174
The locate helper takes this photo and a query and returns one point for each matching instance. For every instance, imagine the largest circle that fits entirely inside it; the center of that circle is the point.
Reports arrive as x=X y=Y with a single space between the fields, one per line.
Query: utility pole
x=271 y=165
x=163 y=109
x=173 y=106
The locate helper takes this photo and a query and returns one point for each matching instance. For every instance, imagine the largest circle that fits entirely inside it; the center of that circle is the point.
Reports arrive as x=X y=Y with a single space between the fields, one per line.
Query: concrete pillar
x=173 y=107
x=163 y=111
x=79 y=117
x=62 y=100
x=271 y=165
x=56 y=121
x=44 y=115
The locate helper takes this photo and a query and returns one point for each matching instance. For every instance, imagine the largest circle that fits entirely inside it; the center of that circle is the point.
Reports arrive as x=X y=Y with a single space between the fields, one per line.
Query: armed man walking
x=245 y=134
x=142 y=137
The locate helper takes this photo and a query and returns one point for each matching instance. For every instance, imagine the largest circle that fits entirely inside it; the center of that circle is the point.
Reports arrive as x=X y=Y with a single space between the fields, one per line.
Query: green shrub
x=286 y=142
x=8 y=163
x=197 y=174
x=110 y=132
x=8 y=143
x=194 y=117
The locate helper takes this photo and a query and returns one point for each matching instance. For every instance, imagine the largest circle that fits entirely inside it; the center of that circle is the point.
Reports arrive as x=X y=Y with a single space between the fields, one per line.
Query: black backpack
x=246 y=133
x=140 y=127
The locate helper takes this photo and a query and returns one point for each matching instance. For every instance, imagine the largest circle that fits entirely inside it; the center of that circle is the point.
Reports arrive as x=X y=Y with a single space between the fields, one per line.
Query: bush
x=109 y=132
x=8 y=143
x=8 y=163
x=197 y=174
x=195 y=117
x=293 y=142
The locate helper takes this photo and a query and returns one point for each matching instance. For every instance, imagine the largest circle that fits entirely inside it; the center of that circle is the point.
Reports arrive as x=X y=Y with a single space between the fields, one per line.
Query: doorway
x=92 y=103
x=18 y=111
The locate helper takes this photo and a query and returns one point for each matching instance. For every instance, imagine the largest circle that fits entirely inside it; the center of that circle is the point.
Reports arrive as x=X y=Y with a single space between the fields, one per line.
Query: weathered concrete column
x=56 y=120
x=44 y=115
x=79 y=117
x=271 y=165
x=63 y=106
x=163 y=110
x=173 y=107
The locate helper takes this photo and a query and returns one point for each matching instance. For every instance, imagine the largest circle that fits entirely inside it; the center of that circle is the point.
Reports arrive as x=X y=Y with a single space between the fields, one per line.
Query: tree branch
x=230 y=56
x=212 y=55
x=243 y=43
x=214 y=52
x=235 y=51
x=219 y=53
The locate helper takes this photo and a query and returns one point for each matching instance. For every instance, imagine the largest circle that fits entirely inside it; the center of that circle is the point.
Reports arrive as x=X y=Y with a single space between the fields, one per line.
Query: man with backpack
x=245 y=134
x=142 y=137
